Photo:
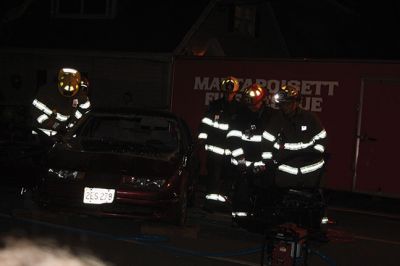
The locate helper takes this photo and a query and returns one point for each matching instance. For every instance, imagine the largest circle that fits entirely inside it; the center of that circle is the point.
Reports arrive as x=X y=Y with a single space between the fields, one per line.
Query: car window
x=153 y=132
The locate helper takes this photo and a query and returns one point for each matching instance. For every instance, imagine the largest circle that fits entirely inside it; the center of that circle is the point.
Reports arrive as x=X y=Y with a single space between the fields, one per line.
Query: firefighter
x=212 y=134
x=57 y=108
x=299 y=142
x=245 y=142
x=299 y=139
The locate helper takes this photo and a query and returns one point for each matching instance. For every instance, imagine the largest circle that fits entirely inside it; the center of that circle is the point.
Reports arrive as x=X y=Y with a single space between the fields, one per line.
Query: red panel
x=331 y=90
x=378 y=166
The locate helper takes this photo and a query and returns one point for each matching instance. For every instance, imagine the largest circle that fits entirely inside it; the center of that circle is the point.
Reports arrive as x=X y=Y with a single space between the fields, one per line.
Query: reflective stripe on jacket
x=299 y=143
x=215 y=124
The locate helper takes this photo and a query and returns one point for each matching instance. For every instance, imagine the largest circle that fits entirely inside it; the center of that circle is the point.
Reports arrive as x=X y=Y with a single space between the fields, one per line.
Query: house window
x=245 y=20
x=83 y=9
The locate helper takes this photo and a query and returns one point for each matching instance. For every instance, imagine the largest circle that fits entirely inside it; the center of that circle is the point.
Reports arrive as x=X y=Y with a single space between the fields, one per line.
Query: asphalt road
x=357 y=238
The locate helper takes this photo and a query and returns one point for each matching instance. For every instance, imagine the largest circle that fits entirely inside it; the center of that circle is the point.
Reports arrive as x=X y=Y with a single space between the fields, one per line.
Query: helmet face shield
x=287 y=94
x=279 y=98
x=230 y=85
x=69 y=81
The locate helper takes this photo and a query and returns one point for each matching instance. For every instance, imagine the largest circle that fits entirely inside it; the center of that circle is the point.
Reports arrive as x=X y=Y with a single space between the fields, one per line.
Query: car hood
x=112 y=162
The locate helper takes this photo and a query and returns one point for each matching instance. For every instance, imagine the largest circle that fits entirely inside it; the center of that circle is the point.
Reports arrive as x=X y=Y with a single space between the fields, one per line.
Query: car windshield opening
x=144 y=133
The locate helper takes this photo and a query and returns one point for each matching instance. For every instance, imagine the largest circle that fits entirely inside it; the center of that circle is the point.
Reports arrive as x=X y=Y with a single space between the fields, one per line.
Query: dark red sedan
x=126 y=163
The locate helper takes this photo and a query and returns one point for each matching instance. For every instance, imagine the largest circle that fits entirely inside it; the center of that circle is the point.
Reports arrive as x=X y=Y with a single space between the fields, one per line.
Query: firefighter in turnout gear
x=299 y=144
x=57 y=108
x=212 y=134
x=245 y=142
x=299 y=140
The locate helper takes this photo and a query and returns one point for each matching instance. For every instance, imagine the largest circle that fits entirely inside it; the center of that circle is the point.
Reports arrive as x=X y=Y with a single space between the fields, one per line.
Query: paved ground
x=357 y=238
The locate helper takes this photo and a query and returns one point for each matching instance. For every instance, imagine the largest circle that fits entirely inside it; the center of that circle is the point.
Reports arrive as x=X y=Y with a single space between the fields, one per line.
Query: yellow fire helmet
x=230 y=85
x=69 y=81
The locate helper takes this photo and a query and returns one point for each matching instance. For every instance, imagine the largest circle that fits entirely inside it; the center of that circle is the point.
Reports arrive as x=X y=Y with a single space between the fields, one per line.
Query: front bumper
x=68 y=196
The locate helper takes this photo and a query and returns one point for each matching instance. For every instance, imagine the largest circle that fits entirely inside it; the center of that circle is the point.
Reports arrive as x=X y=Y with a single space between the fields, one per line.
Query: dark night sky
x=345 y=28
x=152 y=26
x=312 y=28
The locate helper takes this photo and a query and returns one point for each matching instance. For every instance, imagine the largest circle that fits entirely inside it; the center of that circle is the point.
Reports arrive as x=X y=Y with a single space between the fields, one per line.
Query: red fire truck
x=357 y=102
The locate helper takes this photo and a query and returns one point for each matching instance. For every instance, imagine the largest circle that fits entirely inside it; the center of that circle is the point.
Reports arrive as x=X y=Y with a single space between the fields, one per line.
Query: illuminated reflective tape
x=312 y=167
x=255 y=138
x=301 y=145
x=71 y=125
x=237 y=152
x=48 y=132
x=209 y=122
x=85 y=105
x=324 y=220
x=266 y=155
x=203 y=136
x=234 y=161
x=239 y=134
x=215 y=149
x=320 y=135
x=297 y=146
x=319 y=147
x=221 y=126
x=268 y=136
x=216 y=197
x=34 y=132
x=277 y=146
x=78 y=114
x=259 y=163
x=61 y=117
x=234 y=133
x=69 y=70
x=227 y=152
x=42 y=107
x=239 y=214
x=42 y=118
x=288 y=169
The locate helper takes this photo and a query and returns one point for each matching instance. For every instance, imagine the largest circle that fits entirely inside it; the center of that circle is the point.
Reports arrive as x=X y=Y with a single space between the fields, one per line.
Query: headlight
x=64 y=174
x=143 y=182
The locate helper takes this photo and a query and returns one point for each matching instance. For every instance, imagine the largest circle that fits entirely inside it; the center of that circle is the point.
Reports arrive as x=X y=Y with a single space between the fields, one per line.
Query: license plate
x=98 y=195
